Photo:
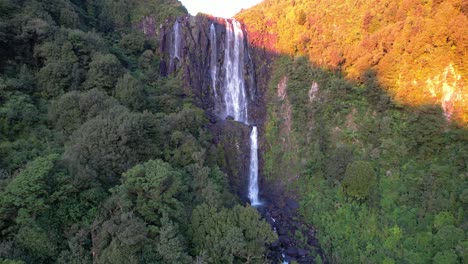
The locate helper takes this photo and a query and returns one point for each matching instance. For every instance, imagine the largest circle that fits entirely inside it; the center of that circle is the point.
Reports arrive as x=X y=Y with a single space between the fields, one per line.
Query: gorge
x=215 y=60
x=131 y=132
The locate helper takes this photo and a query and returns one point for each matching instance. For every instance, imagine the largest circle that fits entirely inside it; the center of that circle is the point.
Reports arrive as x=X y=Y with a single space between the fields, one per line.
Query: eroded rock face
x=187 y=48
x=233 y=138
x=148 y=26
x=196 y=49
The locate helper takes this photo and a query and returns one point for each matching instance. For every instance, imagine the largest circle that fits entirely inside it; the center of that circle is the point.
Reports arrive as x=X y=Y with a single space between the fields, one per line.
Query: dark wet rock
x=293 y=252
x=302 y=252
x=275 y=245
x=233 y=139
x=281 y=231
x=284 y=240
x=195 y=61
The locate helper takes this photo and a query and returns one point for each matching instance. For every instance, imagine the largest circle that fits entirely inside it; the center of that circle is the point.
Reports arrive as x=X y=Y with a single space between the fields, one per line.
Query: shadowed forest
x=103 y=160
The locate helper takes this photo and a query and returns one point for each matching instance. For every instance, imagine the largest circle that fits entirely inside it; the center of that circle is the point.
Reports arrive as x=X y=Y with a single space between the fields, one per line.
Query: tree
x=17 y=115
x=55 y=79
x=111 y=143
x=155 y=188
x=170 y=245
x=104 y=71
x=133 y=43
x=25 y=197
x=72 y=109
x=230 y=235
x=130 y=92
x=359 y=180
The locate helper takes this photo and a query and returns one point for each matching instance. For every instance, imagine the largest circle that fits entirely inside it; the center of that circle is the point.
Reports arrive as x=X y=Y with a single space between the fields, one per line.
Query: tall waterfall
x=235 y=98
x=176 y=40
x=235 y=95
x=213 y=60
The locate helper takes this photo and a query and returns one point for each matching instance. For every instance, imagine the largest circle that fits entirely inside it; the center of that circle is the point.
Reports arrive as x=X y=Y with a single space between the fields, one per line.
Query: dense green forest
x=102 y=159
x=383 y=183
x=356 y=128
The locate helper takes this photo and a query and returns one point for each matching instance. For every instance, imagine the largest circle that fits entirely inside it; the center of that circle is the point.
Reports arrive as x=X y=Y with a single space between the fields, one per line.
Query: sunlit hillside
x=418 y=48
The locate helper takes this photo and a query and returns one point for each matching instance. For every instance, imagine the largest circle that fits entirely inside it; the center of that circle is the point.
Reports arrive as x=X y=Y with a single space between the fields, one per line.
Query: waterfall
x=213 y=60
x=253 y=171
x=235 y=95
x=234 y=84
x=176 y=40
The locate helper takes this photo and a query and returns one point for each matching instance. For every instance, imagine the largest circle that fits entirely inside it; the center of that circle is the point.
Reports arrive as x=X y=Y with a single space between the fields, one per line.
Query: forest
x=105 y=160
x=367 y=123
x=102 y=159
x=417 y=48
x=382 y=183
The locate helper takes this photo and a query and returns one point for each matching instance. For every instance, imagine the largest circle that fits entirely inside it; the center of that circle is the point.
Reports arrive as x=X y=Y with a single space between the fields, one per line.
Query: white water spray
x=176 y=40
x=235 y=96
x=213 y=59
x=253 y=175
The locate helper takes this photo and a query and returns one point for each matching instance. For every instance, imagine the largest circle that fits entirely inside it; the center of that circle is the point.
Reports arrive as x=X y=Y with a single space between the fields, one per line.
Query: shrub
x=359 y=179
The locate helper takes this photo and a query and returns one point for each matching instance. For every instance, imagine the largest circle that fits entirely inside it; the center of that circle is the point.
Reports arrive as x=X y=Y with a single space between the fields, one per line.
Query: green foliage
x=399 y=165
x=26 y=195
x=82 y=108
x=154 y=187
x=35 y=241
x=17 y=115
x=359 y=180
x=55 y=78
x=133 y=43
x=130 y=92
x=104 y=71
x=230 y=235
x=108 y=144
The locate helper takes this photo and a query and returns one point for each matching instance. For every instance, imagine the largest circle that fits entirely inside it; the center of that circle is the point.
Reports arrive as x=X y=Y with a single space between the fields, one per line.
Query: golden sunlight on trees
x=414 y=46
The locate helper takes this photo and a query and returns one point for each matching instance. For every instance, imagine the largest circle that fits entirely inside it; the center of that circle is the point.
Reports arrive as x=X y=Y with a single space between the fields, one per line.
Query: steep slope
x=417 y=48
x=102 y=158
x=359 y=124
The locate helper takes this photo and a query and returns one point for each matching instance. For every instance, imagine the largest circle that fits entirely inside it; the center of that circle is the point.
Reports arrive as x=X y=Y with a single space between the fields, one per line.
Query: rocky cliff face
x=195 y=48
x=205 y=53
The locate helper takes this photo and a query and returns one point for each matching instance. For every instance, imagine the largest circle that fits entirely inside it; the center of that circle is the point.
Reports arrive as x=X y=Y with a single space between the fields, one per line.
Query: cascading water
x=213 y=61
x=223 y=54
x=253 y=173
x=177 y=40
x=235 y=96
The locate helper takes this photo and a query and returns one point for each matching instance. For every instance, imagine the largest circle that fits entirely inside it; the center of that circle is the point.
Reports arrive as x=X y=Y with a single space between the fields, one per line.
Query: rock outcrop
x=193 y=48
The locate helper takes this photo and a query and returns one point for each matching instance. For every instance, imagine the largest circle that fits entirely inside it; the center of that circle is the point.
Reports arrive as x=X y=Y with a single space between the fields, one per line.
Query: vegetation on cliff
x=102 y=160
x=417 y=48
x=367 y=118
x=381 y=182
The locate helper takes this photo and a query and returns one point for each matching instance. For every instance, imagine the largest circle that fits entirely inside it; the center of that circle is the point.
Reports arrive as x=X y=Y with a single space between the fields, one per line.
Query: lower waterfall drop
x=253 y=170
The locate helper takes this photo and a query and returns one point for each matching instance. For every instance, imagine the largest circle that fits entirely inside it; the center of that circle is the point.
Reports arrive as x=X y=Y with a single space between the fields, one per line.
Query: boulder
x=292 y=251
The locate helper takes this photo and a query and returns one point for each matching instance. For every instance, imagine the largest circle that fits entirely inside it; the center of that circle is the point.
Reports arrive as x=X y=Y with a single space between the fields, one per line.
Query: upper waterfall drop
x=235 y=98
x=213 y=59
x=176 y=40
